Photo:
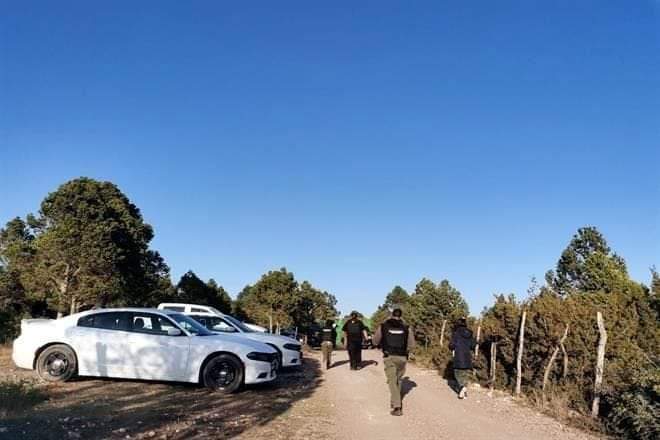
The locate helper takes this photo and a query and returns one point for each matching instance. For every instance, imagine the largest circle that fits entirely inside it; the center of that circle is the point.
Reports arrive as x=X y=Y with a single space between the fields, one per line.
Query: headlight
x=262 y=357
x=295 y=347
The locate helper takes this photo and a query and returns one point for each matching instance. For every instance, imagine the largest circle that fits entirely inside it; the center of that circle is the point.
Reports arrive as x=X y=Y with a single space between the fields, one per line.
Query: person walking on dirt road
x=354 y=333
x=396 y=340
x=462 y=343
x=328 y=338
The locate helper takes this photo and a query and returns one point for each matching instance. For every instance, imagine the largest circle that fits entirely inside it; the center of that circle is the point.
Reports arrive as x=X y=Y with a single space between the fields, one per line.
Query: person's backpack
x=395 y=337
x=354 y=329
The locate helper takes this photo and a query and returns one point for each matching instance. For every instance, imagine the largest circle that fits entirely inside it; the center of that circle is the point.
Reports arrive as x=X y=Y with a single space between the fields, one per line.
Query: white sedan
x=138 y=343
x=288 y=349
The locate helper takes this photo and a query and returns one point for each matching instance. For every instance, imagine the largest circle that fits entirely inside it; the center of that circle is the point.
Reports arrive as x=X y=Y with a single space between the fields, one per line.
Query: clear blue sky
x=359 y=144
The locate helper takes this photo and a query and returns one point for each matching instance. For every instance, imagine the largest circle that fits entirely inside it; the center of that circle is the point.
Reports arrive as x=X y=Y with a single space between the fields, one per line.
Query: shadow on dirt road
x=100 y=409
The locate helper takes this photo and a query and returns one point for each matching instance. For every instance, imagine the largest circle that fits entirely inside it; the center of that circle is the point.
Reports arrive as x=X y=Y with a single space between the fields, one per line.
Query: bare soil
x=89 y=408
x=302 y=404
x=431 y=408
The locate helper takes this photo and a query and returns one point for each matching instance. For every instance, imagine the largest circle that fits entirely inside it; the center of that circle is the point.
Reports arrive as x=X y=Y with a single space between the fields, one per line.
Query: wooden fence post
x=476 y=347
x=564 y=370
x=442 y=333
x=548 y=368
x=600 y=361
x=521 y=345
x=493 y=363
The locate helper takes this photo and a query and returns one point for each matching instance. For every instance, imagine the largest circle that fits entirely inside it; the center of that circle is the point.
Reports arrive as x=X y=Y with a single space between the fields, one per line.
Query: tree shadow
x=91 y=408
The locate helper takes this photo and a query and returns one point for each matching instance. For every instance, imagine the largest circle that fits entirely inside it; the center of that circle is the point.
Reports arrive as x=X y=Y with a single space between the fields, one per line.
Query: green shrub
x=10 y=326
x=635 y=414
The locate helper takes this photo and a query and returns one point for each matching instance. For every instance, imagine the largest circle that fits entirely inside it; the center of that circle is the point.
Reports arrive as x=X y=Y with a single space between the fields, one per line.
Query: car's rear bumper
x=259 y=372
x=22 y=355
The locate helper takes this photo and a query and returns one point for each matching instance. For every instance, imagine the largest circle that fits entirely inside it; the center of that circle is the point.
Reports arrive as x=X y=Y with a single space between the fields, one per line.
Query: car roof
x=183 y=305
x=128 y=309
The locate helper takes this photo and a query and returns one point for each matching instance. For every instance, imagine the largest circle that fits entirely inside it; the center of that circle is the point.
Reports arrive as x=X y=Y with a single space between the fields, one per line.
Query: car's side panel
x=100 y=352
x=157 y=357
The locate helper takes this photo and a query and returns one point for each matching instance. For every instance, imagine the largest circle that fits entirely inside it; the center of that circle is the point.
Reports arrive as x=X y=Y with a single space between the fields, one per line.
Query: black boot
x=397 y=412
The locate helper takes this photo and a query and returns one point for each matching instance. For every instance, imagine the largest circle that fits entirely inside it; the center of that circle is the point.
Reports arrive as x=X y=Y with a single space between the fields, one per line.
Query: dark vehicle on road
x=314 y=336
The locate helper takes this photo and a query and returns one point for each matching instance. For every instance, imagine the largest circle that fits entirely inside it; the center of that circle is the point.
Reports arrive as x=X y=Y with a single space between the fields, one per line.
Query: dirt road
x=302 y=404
x=360 y=401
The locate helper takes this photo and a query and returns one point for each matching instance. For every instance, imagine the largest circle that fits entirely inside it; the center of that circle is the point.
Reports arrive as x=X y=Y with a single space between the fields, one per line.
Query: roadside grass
x=19 y=396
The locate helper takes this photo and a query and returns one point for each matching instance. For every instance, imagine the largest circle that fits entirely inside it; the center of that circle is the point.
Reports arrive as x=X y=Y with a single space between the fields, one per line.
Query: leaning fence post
x=476 y=347
x=600 y=361
x=521 y=345
x=442 y=333
x=564 y=371
x=548 y=368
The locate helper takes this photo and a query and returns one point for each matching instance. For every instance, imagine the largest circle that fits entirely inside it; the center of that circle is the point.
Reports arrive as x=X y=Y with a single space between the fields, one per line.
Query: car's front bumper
x=291 y=358
x=259 y=372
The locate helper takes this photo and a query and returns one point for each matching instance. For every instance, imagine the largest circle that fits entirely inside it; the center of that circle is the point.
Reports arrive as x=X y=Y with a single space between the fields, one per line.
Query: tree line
x=89 y=246
x=555 y=363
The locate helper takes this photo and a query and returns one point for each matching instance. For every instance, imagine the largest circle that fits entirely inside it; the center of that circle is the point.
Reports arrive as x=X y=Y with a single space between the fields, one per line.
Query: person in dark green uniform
x=328 y=339
x=396 y=340
x=354 y=333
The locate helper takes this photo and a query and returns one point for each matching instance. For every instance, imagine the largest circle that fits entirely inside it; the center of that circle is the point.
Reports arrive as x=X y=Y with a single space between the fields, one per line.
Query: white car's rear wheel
x=56 y=363
x=223 y=373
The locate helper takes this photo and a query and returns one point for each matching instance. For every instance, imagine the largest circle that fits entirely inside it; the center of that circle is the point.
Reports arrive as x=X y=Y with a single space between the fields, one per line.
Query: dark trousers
x=355 y=353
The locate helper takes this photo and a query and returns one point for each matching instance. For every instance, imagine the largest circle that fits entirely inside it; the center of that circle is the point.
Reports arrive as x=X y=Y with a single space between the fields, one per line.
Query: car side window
x=86 y=321
x=150 y=324
x=201 y=319
x=197 y=310
x=175 y=308
x=105 y=321
x=220 y=325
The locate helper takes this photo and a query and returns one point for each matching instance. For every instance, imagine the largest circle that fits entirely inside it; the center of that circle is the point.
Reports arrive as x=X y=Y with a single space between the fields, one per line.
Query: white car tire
x=223 y=373
x=57 y=363
x=280 y=357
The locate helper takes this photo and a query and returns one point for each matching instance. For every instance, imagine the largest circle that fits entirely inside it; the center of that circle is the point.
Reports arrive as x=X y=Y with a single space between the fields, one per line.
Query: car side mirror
x=174 y=332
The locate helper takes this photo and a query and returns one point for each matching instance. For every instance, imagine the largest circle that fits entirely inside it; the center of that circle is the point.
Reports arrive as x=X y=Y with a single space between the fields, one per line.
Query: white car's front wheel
x=56 y=363
x=224 y=373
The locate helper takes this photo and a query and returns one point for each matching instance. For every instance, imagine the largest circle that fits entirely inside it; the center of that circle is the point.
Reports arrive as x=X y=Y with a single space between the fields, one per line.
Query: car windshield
x=214 y=310
x=190 y=325
x=242 y=327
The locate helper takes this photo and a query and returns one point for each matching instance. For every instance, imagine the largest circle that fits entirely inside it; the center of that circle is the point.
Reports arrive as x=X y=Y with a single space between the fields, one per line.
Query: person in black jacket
x=354 y=333
x=396 y=340
x=462 y=343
